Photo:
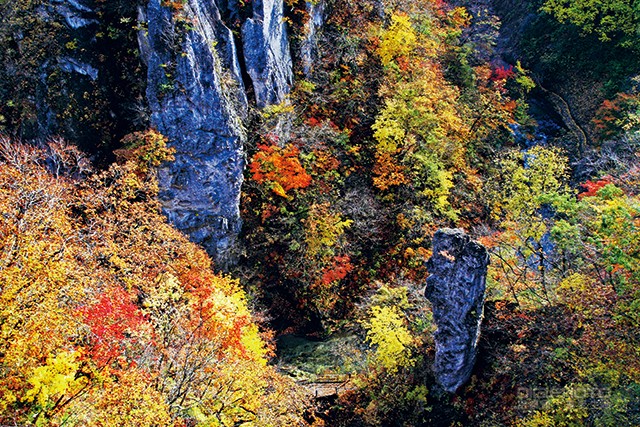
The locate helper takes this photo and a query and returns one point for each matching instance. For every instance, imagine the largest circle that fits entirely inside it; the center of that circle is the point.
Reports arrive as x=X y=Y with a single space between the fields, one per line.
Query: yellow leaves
x=398 y=40
x=576 y=291
x=277 y=111
x=530 y=179
x=386 y=331
x=420 y=115
x=435 y=182
x=459 y=17
x=323 y=230
x=276 y=187
x=526 y=83
x=388 y=128
x=126 y=399
x=254 y=344
x=197 y=339
x=55 y=379
x=145 y=150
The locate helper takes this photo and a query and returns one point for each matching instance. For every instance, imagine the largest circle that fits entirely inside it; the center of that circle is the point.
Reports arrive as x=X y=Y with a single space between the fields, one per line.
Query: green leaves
x=527 y=180
x=606 y=18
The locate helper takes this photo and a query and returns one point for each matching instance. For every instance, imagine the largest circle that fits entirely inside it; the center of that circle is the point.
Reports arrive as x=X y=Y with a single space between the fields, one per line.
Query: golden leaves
x=108 y=315
x=398 y=40
x=386 y=330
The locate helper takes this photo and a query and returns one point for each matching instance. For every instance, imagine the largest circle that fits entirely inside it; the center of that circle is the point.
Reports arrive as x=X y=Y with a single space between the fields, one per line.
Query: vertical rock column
x=456 y=289
x=197 y=101
x=267 y=53
x=309 y=45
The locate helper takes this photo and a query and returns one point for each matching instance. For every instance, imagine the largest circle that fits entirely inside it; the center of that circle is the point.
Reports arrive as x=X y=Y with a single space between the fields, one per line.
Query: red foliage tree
x=114 y=321
x=590 y=188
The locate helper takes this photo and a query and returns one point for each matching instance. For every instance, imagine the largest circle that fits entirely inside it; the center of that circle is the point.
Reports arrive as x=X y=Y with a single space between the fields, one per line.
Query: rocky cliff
x=266 y=52
x=456 y=289
x=70 y=69
x=197 y=99
x=309 y=45
x=92 y=72
x=75 y=18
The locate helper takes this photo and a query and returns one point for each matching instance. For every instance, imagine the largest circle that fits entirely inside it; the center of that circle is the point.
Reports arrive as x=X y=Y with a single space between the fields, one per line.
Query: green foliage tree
x=606 y=18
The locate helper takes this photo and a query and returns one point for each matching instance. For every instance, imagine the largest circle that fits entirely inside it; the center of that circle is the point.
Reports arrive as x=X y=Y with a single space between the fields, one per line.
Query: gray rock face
x=77 y=13
x=266 y=52
x=197 y=101
x=75 y=18
x=309 y=46
x=456 y=289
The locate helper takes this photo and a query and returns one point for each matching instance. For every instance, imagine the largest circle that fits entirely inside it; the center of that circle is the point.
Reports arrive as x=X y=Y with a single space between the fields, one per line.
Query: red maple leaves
x=114 y=322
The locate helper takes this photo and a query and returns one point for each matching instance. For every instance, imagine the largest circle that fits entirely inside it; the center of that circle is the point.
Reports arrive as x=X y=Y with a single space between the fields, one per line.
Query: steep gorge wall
x=70 y=69
x=91 y=72
x=197 y=98
x=96 y=71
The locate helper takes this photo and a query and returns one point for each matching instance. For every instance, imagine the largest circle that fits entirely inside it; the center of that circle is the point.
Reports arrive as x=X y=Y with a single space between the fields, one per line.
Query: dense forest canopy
x=517 y=121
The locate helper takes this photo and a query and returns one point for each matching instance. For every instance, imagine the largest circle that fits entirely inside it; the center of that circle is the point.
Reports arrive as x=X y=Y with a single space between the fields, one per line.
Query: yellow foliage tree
x=398 y=40
x=391 y=338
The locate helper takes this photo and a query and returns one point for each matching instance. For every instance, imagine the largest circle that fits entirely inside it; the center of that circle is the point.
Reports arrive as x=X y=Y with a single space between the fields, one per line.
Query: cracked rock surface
x=456 y=289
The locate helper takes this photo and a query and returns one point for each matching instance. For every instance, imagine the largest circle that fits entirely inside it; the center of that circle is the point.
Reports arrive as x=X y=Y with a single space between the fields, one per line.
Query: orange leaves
x=110 y=314
x=618 y=115
x=279 y=168
x=590 y=188
x=387 y=172
x=338 y=271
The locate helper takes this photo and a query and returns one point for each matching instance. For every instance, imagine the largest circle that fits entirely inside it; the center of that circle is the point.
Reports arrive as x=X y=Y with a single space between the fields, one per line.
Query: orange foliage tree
x=279 y=168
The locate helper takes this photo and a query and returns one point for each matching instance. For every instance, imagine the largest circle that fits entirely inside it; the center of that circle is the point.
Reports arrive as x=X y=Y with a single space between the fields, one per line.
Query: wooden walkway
x=327 y=385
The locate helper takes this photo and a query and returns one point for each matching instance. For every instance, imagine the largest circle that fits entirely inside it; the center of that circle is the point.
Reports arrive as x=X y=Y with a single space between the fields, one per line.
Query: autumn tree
x=601 y=290
x=111 y=316
x=530 y=194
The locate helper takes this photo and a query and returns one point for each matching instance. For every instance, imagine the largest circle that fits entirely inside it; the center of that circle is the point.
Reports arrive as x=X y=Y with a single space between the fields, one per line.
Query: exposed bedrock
x=456 y=289
x=309 y=45
x=67 y=75
x=267 y=53
x=197 y=101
